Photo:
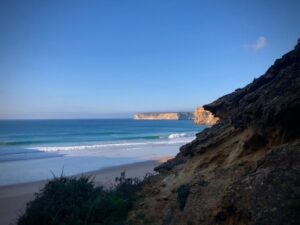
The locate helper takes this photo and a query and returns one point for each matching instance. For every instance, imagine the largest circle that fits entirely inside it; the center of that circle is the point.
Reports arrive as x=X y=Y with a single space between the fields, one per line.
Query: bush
x=77 y=201
x=182 y=193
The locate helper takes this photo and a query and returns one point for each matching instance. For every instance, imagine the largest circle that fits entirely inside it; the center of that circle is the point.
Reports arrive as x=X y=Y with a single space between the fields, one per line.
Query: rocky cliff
x=164 y=116
x=245 y=170
x=204 y=117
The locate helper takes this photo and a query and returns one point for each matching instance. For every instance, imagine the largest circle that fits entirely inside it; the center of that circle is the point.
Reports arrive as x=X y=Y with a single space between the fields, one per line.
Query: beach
x=13 y=198
x=33 y=151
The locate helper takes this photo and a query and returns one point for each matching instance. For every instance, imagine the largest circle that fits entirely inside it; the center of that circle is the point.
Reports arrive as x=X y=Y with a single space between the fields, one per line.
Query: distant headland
x=164 y=116
x=200 y=116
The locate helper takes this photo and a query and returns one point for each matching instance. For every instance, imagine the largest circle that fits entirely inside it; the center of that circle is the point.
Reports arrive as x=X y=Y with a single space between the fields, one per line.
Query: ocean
x=32 y=150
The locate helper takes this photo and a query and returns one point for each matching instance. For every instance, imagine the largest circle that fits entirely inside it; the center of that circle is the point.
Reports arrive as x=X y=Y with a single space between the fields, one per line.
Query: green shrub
x=77 y=201
x=182 y=193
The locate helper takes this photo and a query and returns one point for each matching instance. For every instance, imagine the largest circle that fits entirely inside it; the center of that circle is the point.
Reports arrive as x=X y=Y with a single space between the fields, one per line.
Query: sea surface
x=32 y=150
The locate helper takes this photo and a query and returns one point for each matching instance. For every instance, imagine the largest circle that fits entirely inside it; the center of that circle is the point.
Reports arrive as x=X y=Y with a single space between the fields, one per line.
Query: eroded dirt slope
x=245 y=169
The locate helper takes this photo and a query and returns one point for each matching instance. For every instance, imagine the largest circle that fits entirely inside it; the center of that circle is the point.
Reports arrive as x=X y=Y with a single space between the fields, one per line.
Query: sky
x=109 y=59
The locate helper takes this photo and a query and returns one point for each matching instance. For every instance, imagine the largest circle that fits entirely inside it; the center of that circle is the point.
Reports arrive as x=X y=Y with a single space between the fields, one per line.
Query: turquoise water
x=30 y=149
x=20 y=136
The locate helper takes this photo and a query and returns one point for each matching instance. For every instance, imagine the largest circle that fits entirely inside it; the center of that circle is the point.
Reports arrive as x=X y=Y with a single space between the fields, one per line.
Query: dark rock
x=267 y=195
x=244 y=170
x=272 y=99
x=171 y=163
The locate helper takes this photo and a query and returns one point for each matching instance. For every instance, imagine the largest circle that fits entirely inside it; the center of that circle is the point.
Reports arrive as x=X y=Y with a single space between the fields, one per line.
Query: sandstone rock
x=164 y=116
x=268 y=194
x=203 y=117
x=249 y=160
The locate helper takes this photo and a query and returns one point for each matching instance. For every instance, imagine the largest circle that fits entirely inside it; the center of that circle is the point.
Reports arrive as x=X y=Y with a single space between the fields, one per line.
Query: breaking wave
x=175 y=138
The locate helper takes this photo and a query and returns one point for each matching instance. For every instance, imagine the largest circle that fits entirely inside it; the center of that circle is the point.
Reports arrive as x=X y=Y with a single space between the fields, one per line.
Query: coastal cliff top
x=273 y=96
x=245 y=169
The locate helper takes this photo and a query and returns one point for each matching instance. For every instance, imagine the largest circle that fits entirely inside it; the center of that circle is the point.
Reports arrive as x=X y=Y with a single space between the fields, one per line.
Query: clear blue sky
x=85 y=59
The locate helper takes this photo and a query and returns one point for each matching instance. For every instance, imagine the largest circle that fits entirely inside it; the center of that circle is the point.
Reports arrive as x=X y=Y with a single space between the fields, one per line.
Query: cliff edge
x=200 y=116
x=164 y=116
x=245 y=170
x=204 y=117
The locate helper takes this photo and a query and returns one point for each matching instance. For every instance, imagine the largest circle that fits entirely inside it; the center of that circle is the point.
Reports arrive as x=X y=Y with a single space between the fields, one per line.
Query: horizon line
x=104 y=118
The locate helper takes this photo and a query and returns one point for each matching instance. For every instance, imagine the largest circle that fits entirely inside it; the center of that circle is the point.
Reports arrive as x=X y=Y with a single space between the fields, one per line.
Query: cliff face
x=200 y=116
x=164 y=116
x=204 y=117
x=245 y=170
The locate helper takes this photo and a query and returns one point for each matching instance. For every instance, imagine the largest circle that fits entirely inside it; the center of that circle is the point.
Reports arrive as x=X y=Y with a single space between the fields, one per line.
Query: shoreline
x=13 y=197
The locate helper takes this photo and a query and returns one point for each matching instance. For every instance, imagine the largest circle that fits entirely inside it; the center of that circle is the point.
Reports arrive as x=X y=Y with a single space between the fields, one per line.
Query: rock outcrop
x=164 y=116
x=200 y=116
x=204 y=117
x=245 y=170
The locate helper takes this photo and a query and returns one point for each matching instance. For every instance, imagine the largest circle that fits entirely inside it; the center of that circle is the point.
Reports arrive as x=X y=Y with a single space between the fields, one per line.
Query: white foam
x=180 y=138
x=179 y=135
x=81 y=147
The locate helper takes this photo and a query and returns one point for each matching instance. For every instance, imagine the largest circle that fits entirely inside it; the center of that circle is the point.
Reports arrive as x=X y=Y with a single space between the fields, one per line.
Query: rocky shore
x=245 y=170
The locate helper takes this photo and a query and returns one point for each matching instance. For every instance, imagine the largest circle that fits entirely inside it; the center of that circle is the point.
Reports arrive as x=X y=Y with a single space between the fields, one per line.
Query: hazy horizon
x=111 y=59
x=124 y=115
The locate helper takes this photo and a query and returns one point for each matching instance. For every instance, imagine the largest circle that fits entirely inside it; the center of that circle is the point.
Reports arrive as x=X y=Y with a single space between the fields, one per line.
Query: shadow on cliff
x=243 y=170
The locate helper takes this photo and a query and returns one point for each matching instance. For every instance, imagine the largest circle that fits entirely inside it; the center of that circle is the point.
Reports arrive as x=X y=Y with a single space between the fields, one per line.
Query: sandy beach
x=13 y=198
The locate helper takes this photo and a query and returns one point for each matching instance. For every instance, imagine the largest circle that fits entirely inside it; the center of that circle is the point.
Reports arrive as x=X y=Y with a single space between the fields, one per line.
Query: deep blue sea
x=29 y=149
